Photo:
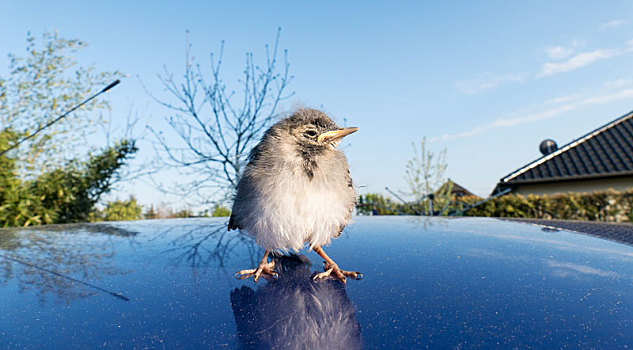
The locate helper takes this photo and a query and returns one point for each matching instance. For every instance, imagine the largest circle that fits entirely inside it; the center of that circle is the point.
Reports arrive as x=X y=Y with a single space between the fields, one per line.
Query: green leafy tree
x=41 y=85
x=18 y=206
x=183 y=213
x=46 y=179
x=122 y=210
x=151 y=213
x=75 y=189
x=220 y=211
x=65 y=194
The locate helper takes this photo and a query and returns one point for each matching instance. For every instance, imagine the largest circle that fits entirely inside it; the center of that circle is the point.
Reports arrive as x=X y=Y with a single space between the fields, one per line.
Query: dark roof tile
x=606 y=151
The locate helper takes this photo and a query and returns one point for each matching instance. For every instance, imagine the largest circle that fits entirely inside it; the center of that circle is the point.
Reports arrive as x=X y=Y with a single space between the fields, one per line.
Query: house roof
x=604 y=152
x=457 y=190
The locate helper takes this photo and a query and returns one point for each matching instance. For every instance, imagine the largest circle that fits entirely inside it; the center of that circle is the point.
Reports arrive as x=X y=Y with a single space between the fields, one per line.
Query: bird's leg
x=331 y=268
x=265 y=269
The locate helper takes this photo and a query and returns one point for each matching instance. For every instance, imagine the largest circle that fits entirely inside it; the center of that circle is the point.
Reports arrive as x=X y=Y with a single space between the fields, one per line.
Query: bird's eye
x=310 y=133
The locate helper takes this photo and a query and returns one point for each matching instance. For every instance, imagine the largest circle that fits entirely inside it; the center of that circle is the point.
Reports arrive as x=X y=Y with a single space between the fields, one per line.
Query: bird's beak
x=336 y=134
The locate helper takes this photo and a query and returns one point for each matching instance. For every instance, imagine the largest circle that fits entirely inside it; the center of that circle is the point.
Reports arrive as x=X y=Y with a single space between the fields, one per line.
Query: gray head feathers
x=303 y=128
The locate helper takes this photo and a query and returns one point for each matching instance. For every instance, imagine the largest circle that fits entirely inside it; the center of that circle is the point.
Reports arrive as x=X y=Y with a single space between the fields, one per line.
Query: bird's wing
x=350 y=187
x=253 y=159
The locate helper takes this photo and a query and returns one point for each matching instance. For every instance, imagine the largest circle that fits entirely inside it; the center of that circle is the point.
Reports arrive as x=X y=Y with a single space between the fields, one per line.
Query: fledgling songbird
x=296 y=189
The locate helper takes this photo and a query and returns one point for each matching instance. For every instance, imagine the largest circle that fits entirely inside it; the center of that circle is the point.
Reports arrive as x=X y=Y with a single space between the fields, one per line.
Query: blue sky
x=486 y=80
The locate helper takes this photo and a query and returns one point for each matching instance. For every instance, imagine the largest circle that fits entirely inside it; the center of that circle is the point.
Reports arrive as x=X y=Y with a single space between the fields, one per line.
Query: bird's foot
x=333 y=271
x=265 y=269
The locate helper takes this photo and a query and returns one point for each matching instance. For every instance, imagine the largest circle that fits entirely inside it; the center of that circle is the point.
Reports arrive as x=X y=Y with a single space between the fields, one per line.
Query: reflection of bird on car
x=296 y=189
x=292 y=312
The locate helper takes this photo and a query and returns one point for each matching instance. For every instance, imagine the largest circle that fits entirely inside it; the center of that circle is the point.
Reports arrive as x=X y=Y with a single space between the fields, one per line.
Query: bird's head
x=313 y=129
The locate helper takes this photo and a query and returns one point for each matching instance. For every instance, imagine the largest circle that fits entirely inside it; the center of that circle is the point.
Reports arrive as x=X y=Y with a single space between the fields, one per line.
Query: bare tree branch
x=215 y=132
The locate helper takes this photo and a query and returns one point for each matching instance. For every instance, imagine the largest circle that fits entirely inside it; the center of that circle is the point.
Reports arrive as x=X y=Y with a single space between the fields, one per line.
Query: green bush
x=220 y=211
x=377 y=204
x=599 y=206
x=62 y=195
x=37 y=183
x=371 y=203
x=119 y=211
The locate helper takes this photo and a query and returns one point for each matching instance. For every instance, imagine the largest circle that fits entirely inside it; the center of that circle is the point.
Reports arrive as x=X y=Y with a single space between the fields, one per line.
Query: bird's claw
x=265 y=270
x=332 y=270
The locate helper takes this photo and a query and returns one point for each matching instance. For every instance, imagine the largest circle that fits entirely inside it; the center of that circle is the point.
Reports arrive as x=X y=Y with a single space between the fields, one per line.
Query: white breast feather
x=290 y=209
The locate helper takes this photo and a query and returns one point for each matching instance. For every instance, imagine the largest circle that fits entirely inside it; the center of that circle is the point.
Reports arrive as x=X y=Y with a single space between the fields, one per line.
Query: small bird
x=296 y=189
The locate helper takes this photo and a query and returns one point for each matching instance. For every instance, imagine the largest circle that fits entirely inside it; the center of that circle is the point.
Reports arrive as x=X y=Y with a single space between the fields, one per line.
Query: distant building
x=597 y=161
x=457 y=191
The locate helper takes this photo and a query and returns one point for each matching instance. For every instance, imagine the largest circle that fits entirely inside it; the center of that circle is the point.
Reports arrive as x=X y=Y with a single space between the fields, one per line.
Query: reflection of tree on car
x=203 y=243
x=68 y=261
x=67 y=266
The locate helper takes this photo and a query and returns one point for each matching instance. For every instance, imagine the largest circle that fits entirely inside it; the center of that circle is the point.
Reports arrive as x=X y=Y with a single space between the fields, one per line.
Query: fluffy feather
x=294 y=192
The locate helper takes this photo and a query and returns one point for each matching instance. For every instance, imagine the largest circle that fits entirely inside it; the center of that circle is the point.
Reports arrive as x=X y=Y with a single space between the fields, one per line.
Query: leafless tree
x=216 y=127
x=426 y=176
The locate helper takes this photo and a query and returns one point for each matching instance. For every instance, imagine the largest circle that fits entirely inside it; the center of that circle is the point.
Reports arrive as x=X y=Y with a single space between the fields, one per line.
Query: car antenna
x=403 y=201
x=15 y=145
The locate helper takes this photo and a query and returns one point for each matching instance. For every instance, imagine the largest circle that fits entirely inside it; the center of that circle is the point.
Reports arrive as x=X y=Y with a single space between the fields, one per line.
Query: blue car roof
x=428 y=282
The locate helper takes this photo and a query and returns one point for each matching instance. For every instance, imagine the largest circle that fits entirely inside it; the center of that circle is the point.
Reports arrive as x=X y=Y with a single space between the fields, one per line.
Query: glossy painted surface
x=435 y=283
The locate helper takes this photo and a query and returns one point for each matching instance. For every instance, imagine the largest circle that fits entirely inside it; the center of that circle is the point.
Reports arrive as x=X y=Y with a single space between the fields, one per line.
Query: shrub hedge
x=599 y=206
